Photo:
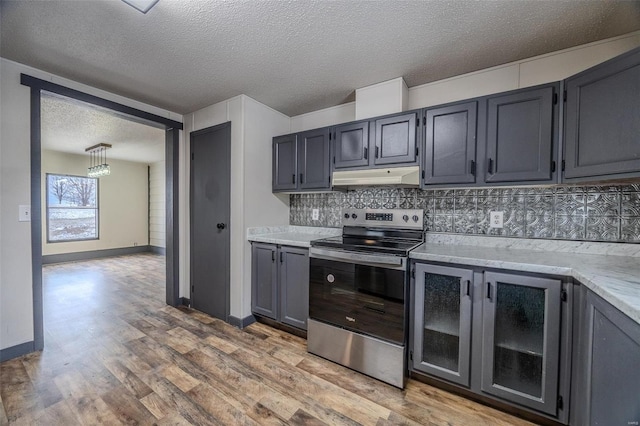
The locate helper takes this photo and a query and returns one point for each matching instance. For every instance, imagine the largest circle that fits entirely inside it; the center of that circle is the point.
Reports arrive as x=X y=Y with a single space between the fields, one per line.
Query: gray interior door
x=210 y=200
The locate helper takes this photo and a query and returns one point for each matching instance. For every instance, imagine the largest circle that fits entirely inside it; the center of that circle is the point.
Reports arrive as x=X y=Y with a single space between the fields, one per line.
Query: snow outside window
x=72 y=208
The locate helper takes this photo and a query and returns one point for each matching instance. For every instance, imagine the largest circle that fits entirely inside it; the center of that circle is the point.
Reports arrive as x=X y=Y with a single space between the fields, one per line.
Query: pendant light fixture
x=98 y=166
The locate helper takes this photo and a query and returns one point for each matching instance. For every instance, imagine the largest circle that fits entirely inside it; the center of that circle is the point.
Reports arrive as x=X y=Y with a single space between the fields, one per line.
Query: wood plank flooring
x=116 y=354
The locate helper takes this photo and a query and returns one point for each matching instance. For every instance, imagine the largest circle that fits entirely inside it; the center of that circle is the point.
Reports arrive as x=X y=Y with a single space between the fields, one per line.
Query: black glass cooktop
x=358 y=243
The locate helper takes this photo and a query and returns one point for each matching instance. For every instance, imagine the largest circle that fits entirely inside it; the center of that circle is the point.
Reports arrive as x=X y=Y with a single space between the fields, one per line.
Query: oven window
x=360 y=298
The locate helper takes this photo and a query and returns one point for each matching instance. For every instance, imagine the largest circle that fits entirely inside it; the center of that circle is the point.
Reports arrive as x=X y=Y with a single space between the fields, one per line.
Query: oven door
x=359 y=292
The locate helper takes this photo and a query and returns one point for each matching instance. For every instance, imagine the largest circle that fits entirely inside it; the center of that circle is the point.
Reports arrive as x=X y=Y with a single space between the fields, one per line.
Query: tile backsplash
x=592 y=213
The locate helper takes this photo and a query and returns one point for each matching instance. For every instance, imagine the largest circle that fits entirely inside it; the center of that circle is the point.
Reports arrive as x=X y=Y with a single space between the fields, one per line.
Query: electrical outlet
x=24 y=213
x=496 y=219
x=315 y=214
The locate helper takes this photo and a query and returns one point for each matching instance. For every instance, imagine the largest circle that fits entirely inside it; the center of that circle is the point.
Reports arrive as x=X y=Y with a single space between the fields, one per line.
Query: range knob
x=354 y=216
x=346 y=215
x=405 y=218
x=415 y=218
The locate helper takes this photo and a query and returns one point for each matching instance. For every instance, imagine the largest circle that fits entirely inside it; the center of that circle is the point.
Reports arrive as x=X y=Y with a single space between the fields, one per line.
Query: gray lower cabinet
x=280 y=283
x=442 y=332
x=602 y=120
x=521 y=339
x=517 y=321
x=521 y=133
x=608 y=365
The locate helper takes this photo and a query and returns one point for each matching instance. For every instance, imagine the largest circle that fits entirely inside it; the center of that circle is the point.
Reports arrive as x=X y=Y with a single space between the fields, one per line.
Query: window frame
x=48 y=207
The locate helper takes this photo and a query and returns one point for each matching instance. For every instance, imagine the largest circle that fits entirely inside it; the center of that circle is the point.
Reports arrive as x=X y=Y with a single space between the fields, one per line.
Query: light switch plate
x=24 y=213
x=315 y=214
x=496 y=219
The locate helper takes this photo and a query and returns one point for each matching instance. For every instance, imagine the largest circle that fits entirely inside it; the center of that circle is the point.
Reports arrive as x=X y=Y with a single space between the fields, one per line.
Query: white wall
x=343 y=113
x=16 y=301
x=157 y=206
x=388 y=97
x=528 y=72
x=123 y=203
x=253 y=126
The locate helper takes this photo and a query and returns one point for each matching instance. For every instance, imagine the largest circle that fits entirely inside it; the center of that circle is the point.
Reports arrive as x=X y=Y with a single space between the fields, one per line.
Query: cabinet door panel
x=313 y=159
x=603 y=119
x=520 y=136
x=351 y=145
x=521 y=338
x=442 y=331
x=284 y=163
x=395 y=139
x=264 y=291
x=610 y=370
x=450 y=144
x=294 y=287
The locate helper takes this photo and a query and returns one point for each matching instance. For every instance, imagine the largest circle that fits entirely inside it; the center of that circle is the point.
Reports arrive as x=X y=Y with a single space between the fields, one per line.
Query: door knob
x=221 y=226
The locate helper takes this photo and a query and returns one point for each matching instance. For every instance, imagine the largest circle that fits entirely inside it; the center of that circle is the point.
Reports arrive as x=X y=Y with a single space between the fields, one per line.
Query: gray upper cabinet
x=301 y=161
x=285 y=167
x=608 y=365
x=450 y=144
x=602 y=120
x=264 y=291
x=351 y=145
x=520 y=135
x=395 y=139
x=442 y=322
x=294 y=286
x=521 y=339
x=314 y=171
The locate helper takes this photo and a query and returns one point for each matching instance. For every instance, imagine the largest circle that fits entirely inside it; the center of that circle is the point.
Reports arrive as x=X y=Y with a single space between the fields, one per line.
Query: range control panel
x=390 y=218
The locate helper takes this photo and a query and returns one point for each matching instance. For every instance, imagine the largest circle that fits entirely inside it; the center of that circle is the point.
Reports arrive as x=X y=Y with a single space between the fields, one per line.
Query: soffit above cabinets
x=295 y=57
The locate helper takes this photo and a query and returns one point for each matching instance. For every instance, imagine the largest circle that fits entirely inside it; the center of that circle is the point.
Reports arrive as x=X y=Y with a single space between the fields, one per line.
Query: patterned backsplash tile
x=592 y=213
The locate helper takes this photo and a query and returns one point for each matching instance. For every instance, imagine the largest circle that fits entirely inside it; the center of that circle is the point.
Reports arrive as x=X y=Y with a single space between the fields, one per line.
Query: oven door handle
x=379 y=260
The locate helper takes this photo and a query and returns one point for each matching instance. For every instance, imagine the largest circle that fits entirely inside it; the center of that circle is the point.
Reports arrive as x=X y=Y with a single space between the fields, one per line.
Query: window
x=72 y=208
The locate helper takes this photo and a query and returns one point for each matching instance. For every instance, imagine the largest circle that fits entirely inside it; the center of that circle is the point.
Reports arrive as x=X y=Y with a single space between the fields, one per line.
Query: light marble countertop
x=602 y=267
x=287 y=235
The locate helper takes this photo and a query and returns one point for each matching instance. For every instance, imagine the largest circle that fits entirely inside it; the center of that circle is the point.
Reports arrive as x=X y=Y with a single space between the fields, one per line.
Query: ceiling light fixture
x=142 y=5
x=98 y=166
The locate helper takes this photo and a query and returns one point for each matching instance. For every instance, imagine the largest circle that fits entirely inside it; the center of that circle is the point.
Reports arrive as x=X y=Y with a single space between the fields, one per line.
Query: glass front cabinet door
x=521 y=338
x=442 y=329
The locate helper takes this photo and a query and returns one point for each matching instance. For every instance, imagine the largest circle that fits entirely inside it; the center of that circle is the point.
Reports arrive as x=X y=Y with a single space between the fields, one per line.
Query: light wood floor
x=116 y=354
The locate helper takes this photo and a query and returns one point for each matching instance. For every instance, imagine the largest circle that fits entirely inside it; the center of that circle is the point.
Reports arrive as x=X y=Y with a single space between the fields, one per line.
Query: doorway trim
x=172 y=131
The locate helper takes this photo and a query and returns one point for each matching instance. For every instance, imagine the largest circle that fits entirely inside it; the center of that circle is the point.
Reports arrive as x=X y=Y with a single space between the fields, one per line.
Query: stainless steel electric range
x=358 y=285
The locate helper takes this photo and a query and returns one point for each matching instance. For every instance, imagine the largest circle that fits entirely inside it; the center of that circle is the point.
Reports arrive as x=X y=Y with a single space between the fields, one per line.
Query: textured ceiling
x=71 y=126
x=295 y=56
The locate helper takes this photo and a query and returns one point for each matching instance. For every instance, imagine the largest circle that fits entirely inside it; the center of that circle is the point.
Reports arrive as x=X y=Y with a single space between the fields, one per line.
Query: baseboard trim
x=93 y=254
x=241 y=323
x=16 y=351
x=184 y=301
x=158 y=250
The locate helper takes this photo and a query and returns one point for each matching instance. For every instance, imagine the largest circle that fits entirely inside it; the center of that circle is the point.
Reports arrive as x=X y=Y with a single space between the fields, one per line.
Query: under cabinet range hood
x=404 y=176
